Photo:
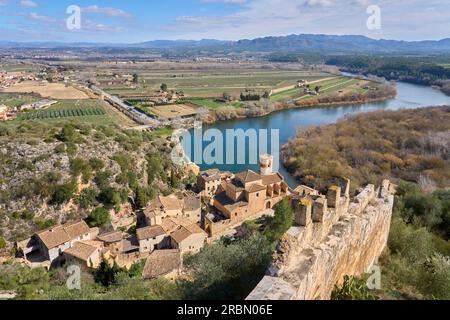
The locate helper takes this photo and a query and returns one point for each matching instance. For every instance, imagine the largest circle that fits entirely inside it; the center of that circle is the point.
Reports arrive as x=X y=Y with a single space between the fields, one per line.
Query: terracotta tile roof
x=228 y=203
x=170 y=224
x=210 y=175
x=186 y=231
x=191 y=202
x=256 y=188
x=149 y=232
x=161 y=262
x=110 y=237
x=248 y=176
x=76 y=229
x=58 y=235
x=235 y=185
x=272 y=179
x=82 y=250
x=181 y=234
x=171 y=202
x=130 y=244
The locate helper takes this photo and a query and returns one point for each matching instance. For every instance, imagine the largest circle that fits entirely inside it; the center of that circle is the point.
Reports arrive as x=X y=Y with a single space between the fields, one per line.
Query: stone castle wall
x=312 y=259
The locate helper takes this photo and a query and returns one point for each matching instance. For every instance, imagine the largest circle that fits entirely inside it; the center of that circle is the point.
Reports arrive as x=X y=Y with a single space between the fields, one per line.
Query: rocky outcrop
x=312 y=259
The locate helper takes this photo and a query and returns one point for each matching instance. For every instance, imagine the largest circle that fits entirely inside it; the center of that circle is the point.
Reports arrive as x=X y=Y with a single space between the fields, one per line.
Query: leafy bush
x=281 y=222
x=99 y=217
x=63 y=193
x=352 y=289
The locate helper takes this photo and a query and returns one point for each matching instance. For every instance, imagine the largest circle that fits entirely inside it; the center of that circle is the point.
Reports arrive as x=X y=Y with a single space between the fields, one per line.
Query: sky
x=132 y=21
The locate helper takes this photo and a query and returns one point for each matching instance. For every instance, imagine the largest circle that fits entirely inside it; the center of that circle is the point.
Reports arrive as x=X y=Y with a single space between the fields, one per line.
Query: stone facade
x=313 y=257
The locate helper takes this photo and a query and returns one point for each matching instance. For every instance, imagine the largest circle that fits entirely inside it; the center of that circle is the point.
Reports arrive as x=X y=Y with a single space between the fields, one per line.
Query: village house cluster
x=181 y=223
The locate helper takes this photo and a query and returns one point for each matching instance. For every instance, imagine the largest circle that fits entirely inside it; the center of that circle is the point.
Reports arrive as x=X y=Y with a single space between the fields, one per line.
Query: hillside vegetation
x=412 y=148
x=52 y=173
x=412 y=145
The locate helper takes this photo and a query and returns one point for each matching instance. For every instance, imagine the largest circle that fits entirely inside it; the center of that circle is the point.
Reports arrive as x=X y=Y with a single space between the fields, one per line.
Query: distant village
x=170 y=227
x=11 y=79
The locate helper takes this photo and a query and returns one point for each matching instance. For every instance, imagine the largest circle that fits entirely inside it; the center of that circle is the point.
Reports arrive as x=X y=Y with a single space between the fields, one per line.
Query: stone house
x=150 y=238
x=162 y=263
x=188 y=239
x=88 y=253
x=54 y=241
x=48 y=246
x=208 y=182
x=112 y=241
x=181 y=205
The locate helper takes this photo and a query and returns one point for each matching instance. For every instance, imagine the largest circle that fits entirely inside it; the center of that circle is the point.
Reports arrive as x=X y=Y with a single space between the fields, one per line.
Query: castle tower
x=266 y=164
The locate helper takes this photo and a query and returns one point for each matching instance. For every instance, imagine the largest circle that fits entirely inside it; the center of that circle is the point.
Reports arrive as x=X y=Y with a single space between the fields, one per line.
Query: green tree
x=99 y=217
x=110 y=197
x=63 y=193
x=144 y=195
x=87 y=198
x=281 y=222
x=106 y=275
x=2 y=243
x=164 y=87
x=174 y=181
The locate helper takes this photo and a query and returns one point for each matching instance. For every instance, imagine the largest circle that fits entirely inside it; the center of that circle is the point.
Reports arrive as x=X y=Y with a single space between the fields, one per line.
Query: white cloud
x=401 y=19
x=28 y=4
x=113 y=12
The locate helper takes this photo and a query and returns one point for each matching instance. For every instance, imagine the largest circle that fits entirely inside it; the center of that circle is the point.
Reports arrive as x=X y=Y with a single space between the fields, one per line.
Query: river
x=409 y=96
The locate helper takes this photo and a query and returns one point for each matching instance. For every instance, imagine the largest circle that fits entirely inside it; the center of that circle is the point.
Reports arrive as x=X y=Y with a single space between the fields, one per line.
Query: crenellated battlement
x=333 y=236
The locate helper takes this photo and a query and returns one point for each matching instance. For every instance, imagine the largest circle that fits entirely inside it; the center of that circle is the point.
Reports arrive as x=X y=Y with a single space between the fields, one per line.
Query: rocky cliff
x=312 y=259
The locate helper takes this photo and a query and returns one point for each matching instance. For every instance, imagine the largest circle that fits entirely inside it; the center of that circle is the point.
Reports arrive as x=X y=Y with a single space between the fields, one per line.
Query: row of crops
x=64 y=113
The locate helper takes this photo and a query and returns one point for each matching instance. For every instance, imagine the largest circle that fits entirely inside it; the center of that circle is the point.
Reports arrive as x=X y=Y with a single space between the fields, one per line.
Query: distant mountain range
x=302 y=43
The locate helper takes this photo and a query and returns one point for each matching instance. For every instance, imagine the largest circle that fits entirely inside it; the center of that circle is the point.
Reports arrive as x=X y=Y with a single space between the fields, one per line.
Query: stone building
x=150 y=238
x=188 y=239
x=250 y=193
x=88 y=253
x=50 y=244
x=162 y=263
x=209 y=181
x=184 y=204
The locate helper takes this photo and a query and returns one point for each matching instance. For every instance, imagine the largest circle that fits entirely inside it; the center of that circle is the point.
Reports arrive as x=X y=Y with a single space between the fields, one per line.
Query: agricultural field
x=330 y=86
x=16 y=100
x=51 y=90
x=90 y=111
x=214 y=104
x=212 y=84
x=173 y=111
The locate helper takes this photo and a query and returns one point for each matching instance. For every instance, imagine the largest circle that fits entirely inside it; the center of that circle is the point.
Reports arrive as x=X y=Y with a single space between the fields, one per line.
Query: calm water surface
x=409 y=96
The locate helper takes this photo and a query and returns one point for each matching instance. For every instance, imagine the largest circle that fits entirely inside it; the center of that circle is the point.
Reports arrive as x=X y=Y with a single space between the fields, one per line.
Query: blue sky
x=130 y=21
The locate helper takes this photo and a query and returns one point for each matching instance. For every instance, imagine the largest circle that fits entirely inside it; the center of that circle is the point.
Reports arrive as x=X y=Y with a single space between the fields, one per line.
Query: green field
x=90 y=111
x=212 y=83
x=64 y=113
x=16 y=100
x=327 y=87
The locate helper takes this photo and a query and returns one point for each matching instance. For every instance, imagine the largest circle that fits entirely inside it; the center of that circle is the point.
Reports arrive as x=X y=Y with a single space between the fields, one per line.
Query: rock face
x=311 y=260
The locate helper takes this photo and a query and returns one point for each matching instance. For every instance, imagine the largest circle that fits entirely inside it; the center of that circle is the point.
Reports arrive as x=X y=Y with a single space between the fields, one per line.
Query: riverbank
x=409 y=96
x=267 y=108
